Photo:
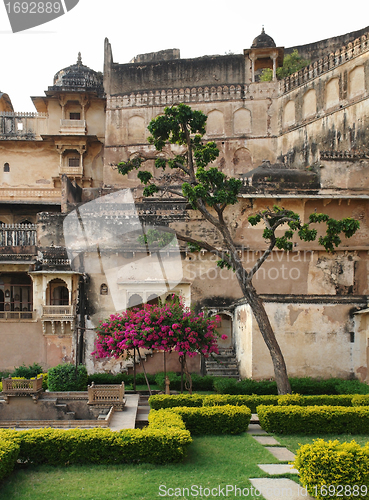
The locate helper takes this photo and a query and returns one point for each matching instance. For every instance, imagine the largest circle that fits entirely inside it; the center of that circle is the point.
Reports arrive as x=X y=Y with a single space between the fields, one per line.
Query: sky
x=29 y=59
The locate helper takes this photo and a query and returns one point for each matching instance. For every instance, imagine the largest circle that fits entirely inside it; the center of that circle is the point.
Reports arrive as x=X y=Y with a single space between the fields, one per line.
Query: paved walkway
x=126 y=419
x=275 y=488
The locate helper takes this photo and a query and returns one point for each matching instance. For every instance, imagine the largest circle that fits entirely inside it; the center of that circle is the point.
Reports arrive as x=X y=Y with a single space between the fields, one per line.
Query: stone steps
x=143 y=409
x=224 y=365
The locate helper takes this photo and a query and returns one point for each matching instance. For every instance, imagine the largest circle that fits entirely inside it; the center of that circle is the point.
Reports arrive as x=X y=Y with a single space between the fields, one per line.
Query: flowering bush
x=167 y=327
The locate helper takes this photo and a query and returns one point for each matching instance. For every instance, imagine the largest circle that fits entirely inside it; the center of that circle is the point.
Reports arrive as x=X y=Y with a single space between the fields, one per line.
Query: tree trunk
x=258 y=309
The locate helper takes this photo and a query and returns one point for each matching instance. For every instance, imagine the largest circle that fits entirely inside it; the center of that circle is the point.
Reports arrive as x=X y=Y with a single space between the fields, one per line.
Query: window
x=74 y=116
x=6 y=167
x=73 y=162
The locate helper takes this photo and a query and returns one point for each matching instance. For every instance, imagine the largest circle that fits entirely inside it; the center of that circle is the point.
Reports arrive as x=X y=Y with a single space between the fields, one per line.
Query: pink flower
x=224 y=337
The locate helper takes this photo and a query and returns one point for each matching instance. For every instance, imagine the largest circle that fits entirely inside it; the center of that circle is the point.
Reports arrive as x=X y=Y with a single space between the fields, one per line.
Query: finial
x=262 y=29
x=79 y=60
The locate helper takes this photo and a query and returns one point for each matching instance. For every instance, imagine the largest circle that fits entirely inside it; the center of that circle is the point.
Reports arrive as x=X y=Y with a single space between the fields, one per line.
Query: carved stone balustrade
x=22 y=387
x=63 y=314
x=106 y=395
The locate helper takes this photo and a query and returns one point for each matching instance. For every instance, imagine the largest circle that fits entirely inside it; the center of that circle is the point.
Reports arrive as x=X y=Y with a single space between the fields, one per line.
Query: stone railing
x=17 y=235
x=343 y=155
x=106 y=395
x=168 y=97
x=353 y=49
x=58 y=311
x=22 y=387
x=16 y=315
x=20 y=114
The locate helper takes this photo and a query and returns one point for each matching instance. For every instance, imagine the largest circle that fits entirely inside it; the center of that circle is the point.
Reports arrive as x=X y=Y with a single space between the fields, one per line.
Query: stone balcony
x=73 y=127
x=55 y=314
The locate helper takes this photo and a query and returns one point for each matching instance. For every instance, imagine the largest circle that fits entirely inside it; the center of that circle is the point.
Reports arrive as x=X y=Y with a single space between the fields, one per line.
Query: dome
x=78 y=77
x=263 y=41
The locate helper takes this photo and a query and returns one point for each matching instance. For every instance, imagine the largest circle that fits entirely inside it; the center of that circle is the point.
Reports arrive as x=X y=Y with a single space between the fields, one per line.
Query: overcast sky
x=29 y=59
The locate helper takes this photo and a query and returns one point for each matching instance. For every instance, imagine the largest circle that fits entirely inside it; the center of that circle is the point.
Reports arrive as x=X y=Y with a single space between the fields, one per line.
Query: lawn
x=293 y=442
x=212 y=462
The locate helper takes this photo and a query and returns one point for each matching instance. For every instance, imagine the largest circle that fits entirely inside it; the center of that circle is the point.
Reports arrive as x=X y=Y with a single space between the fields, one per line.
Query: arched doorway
x=225 y=328
x=57 y=293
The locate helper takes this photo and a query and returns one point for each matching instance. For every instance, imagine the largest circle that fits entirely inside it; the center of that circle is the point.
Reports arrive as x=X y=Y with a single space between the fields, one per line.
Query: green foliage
x=323 y=466
x=199 y=383
x=360 y=400
x=67 y=377
x=9 y=451
x=158 y=236
x=319 y=400
x=159 y=401
x=27 y=372
x=245 y=386
x=291 y=64
x=215 y=419
x=163 y=442
x=278 y=217
x=252 y=401
x=312 y=419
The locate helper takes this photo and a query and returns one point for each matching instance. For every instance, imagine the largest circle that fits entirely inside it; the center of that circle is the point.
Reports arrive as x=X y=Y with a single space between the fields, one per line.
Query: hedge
x=9 y=451
x=67 y=377
x=215 y=419
x=318 y=400
x=314 y=419
x=164 y=441
x=302 y=385
x=237 y=400
x=360 y=400
x=159 y=401
x=333 y=470
x=251 y=401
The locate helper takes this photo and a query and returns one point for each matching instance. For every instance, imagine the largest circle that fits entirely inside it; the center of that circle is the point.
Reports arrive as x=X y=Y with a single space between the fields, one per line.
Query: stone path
x=125 y=419
x=275 y=488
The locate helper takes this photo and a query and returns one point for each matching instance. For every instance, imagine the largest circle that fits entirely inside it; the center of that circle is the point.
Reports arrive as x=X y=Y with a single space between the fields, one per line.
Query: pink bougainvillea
x=167 y=327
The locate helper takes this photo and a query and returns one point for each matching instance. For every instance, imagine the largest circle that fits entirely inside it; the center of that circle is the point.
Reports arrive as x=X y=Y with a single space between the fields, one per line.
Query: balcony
x=58 y=314
x=73 y=127
x=17 y=235
x=16 y=315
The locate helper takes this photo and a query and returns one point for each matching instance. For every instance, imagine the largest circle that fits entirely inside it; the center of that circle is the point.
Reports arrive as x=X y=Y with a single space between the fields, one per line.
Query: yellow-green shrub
x=332 y=470
x=9 y=451
x=360 y=400
x=251 y=401
x=314 y=419
x=318 y=400
x=159 y=401
x=215 y=419
x=163 y=442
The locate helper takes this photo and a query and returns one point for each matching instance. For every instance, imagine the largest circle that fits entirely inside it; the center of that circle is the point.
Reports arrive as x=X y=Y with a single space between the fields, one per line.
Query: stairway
x=143 y=409
x=224 y=365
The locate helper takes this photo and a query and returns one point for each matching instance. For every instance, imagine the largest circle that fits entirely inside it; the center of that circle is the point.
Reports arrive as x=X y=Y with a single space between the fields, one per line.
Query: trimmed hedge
x=333 y=470
x=304 y=385
x=159 y=401
x=360 y=400
x=252 y=402
x=162 y=442
x=199 y=383
x=67 y=377
x=109 y=378
x=314 y=419
x=319 y=400
x=215 y=419
x=9 y=451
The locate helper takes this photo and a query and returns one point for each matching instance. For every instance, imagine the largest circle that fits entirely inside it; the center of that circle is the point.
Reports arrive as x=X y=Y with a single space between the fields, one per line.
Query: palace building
x=69 y=251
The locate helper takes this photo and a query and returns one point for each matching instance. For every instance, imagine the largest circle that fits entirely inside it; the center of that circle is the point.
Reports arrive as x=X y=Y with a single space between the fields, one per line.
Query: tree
x=163 y=327
x=291 y=64
x=188 y=174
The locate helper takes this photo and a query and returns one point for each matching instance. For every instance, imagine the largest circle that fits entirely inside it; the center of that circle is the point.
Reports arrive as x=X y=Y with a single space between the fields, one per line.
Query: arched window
x=57 y=293
x=135 y=300
x=6 y=167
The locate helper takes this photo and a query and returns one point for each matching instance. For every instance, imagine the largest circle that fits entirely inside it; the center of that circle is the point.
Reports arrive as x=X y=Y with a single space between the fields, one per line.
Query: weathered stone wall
x=318 y=336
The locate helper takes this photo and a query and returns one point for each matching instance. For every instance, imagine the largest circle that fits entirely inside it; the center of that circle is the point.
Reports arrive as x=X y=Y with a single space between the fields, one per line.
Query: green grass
x=211 y=461
x=294 y=441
